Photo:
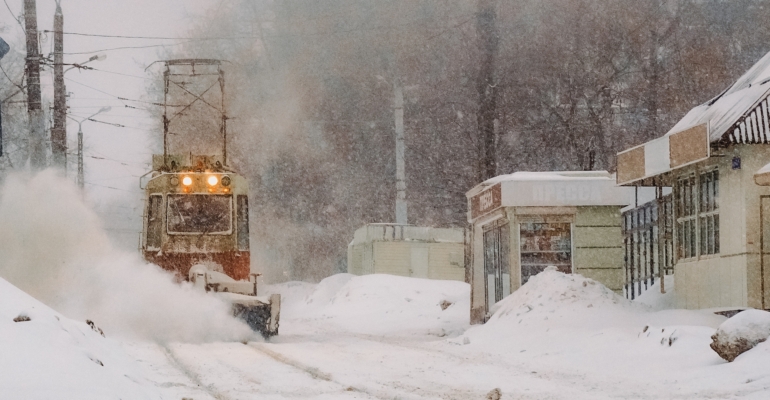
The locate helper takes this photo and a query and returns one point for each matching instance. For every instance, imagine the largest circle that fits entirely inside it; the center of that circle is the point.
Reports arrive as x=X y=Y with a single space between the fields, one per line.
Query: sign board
x=486 y=201
x=664 y=154
x=631 y=164
x=689 y=146
x=568 y=192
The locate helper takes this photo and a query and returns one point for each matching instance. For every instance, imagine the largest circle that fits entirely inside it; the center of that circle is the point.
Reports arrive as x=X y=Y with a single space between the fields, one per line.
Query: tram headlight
x=226 y=180
x=213 y=180
x=174 y=180
x=187 y=181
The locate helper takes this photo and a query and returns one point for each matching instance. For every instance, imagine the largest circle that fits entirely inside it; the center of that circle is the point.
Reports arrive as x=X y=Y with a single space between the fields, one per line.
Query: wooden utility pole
x=486 y=27
x=59 y=130
x=37 y=145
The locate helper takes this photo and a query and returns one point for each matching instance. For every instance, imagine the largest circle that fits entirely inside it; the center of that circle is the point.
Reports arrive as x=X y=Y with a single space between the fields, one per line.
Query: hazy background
x=490 y=88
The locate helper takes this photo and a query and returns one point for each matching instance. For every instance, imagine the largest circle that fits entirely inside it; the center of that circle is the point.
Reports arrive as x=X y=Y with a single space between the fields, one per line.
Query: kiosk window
x=545 y=244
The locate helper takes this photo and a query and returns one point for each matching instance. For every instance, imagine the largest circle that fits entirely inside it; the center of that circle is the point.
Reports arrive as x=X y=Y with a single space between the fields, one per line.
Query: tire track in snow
x=231 y=374
x=405 y=391
x=178 y=364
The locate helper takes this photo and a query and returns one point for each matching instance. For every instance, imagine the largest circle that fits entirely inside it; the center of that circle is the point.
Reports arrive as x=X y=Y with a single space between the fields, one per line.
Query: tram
x=196 y=218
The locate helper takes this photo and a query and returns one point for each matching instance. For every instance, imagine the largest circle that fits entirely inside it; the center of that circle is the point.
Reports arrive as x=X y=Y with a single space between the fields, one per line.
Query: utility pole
x=486 y=26
x=398 y=111
x=59 y=130
x=37 y=148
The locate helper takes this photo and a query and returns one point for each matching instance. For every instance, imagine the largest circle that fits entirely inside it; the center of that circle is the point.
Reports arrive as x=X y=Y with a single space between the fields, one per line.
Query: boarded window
x=154 y=222
x=199 y=214
x=243 y=223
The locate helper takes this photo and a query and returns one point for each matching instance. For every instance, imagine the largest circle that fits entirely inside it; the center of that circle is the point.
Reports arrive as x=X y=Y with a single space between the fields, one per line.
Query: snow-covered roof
x=723 y=112
x=546 y=189
x=543 y=176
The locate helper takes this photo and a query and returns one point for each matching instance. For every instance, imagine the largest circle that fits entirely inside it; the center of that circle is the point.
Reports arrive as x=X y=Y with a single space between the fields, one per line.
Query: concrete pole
x=37 y=145
x=59 y=130
x=398 y=95
x=81 y=180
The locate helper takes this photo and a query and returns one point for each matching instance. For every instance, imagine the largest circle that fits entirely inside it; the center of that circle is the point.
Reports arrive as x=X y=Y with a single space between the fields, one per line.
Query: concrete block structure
x=406 y=250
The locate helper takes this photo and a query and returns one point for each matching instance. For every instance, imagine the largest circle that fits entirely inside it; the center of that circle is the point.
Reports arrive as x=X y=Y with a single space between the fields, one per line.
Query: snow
x=723 y=111
x=65 y=260
x=752 y=325
x=656 y=300
x=550 y=176
x=51 y=356
x=347 y=337
x=376 y=305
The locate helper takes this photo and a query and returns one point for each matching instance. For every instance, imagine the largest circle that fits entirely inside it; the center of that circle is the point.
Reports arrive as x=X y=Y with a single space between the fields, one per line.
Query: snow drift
x=47 y=354
x=52 y=246
x=376 y=304
x=568 y=321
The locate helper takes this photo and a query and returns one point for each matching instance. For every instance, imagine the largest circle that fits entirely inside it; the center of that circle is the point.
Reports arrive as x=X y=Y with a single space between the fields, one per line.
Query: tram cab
x=196 y=212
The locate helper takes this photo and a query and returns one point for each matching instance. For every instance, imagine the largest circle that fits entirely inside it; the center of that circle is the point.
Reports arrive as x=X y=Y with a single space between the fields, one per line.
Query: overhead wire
x=125 y=98
x=12 y=14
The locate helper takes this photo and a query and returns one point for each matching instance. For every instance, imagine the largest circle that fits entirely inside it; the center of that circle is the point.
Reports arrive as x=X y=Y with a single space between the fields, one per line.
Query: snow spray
x=53 y=247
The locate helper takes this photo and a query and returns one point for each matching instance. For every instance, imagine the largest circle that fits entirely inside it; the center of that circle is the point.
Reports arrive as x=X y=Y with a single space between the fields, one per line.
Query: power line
x=12 y=14
x=122 y=74
x=128 y=47
x=125 y=98
x=156 y=37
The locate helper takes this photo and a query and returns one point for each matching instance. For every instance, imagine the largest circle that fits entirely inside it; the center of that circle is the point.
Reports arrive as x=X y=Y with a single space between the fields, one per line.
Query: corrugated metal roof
x=734 y=107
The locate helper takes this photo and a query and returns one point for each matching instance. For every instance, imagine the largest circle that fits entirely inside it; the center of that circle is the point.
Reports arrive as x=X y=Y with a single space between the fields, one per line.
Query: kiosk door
x=497 y=261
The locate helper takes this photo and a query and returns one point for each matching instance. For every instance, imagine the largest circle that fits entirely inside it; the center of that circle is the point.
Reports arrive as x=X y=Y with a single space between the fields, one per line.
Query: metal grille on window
x=686 y=212
x=648 y=244
x=709 y=212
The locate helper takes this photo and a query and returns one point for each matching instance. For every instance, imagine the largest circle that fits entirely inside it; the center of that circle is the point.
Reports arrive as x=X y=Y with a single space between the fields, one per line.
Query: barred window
x=686 y=216
x=709 y=212
x=697 y=214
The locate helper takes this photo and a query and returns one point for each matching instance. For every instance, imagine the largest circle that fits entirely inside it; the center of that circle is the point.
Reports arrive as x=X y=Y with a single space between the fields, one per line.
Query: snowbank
x=375 y=304
x=656 y=300
x=579 y=324
x=51 y=356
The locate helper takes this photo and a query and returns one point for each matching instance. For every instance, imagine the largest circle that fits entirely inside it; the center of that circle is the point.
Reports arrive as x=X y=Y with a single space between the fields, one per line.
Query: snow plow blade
x=261 y=313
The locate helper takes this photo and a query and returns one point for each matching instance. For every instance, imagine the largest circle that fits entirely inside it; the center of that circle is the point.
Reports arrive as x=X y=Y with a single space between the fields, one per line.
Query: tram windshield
x=199 y=213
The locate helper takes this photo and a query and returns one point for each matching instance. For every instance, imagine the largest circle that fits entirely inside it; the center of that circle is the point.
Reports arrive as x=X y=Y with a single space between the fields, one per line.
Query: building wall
x=731 y=278
x=597 y=240
x=445 y=260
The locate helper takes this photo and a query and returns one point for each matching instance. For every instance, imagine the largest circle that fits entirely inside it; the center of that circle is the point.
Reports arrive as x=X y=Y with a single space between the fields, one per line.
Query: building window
x=709 y=212
x=697 y=212
x=543 y=245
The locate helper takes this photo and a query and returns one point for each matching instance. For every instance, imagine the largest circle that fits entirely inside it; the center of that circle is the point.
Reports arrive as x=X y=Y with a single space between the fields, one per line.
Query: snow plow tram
x=196 y=225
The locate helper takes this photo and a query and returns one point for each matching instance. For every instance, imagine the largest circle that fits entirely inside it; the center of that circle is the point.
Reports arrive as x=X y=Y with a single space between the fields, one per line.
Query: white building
x=406 y=250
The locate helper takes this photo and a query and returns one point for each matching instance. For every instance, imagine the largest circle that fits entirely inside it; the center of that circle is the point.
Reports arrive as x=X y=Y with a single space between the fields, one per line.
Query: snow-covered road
x=345 y=338
x=385 y=337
